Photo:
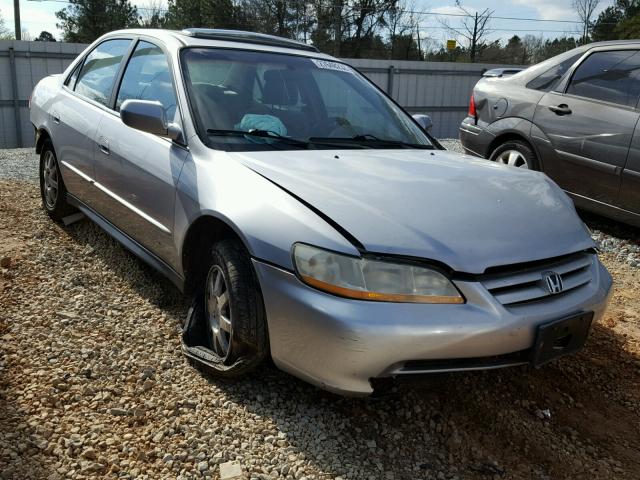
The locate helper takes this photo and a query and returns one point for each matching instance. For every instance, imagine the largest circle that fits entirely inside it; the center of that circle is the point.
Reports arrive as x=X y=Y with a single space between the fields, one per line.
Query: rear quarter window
x=548 y=80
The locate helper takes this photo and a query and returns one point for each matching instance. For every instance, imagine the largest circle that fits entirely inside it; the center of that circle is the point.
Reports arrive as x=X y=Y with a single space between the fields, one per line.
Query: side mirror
x=424 y=121
x=148 y=116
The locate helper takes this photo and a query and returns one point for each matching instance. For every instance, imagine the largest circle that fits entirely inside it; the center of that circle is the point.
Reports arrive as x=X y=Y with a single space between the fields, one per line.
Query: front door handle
x=103 y=145
x=562 y=109
x=56 y=119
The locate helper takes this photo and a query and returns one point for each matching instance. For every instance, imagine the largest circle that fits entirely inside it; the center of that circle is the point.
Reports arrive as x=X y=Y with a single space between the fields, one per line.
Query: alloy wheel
x=50 y=180
x=218 y=311
x=513 y=158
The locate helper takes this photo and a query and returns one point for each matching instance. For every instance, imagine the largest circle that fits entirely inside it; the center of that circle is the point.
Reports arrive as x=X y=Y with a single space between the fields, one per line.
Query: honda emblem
x=553 y=282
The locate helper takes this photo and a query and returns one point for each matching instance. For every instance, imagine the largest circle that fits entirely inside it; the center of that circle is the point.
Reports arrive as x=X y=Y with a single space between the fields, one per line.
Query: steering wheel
x=343 y=125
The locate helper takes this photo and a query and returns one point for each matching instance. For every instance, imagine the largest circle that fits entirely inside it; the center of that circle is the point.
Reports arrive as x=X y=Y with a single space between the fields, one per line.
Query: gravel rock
x=452 y=144
x=19 y=164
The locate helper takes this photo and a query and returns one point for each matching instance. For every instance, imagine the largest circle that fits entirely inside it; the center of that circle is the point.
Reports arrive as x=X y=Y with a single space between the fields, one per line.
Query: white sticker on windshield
x=331 y=65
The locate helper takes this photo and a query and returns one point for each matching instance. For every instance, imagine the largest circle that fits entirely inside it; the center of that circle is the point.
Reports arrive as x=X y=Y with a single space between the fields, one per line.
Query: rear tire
x=52 y=189
x=517 y=154
x=229 y=307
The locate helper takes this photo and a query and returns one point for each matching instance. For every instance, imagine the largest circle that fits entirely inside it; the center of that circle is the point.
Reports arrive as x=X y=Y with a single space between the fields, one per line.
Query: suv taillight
x=472 y=108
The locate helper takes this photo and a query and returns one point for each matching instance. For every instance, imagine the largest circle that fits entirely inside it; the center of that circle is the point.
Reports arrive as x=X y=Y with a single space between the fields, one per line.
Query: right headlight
x=372 y=279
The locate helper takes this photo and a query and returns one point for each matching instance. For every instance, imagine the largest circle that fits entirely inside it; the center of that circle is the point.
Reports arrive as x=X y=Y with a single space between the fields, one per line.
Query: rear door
x=139 y=171
x=630 y=191
x=590 y=123
x=77 y=112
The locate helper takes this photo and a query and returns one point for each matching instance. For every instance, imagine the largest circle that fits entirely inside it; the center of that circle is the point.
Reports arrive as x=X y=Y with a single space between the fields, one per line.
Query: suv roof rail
x=248 y=37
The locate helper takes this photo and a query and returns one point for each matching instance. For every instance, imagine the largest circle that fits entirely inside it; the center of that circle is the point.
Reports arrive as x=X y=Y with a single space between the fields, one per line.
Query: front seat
x=281 y=93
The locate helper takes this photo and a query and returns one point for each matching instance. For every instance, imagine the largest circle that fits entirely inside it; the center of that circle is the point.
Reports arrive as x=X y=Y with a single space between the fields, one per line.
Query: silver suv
x=311 y=219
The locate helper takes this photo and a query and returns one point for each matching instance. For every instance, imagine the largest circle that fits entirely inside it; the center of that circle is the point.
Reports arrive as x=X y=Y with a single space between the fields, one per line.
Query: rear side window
x=609 y=76
x=98 y=73
x=550 y=79
x=148 y=77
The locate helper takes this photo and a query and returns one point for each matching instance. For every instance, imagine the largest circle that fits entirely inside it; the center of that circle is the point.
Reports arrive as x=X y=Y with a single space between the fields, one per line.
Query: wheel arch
x=196 y=246
x=42 y=135
x=509 y=136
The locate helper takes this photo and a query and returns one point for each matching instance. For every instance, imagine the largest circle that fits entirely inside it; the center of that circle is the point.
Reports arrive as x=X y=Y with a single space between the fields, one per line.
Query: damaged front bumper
x=341 y=345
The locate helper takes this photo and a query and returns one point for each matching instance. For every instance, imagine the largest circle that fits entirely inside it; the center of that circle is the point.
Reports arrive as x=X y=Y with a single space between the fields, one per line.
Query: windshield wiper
x=257 y=133
x=368 y=140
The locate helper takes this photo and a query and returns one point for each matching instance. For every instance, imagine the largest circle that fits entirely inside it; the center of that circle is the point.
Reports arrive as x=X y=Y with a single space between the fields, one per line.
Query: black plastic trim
x=505 y=360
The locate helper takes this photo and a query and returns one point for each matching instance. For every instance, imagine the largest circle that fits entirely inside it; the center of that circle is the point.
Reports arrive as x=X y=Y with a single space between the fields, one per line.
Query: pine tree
x=85 y=20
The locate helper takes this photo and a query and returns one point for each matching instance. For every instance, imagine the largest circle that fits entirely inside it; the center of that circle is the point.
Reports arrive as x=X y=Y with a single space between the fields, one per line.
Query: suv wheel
x=228 y=317
x=517 y=154
x=52 y=189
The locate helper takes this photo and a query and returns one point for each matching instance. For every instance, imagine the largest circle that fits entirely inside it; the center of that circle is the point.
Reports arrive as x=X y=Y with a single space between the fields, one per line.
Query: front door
x=137 y=171
x=590 y=124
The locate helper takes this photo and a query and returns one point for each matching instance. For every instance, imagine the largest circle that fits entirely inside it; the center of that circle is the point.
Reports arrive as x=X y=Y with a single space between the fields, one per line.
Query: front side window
x=609 y=76
x=98 y=73
x=296 y=101
x=548 y=80
x=148 y=77
x=71 y=80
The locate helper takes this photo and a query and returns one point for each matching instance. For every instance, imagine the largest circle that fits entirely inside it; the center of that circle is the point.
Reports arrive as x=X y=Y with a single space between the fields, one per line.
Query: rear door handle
x=103 y=145
x=562 y=109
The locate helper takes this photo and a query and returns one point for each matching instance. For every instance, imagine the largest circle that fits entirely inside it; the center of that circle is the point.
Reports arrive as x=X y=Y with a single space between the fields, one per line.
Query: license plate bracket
x=561 y=337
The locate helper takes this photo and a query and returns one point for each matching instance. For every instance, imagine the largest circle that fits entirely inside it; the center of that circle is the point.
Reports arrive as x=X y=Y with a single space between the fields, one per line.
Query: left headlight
x=372 y=279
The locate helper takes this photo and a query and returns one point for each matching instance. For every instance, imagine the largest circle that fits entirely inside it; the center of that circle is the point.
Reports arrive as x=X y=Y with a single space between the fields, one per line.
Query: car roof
x=234 y=39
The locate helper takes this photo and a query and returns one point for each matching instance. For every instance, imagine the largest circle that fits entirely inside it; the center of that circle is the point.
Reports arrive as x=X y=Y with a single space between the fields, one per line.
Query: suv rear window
x=548 y=80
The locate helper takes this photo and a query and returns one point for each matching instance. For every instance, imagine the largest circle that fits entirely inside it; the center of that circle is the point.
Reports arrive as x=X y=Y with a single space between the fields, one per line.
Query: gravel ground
x=452 y=144
x=19 y=164
x=93 y=385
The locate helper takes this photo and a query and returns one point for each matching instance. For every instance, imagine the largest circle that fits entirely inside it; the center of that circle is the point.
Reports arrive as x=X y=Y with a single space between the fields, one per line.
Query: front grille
x=524 y=284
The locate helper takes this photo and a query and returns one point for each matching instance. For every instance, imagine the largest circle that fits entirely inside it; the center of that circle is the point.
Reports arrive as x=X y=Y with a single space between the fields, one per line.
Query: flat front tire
x=231 y=312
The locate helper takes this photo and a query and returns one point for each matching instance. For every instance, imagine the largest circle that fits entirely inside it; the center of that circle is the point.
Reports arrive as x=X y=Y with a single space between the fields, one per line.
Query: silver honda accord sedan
x=310 y=218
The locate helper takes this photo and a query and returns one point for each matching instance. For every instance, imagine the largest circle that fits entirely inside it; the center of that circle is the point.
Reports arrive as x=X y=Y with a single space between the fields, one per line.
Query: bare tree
x=532 y=46
x=400 y=22
x=585 y=9
x=152 y=14
x=474 y=29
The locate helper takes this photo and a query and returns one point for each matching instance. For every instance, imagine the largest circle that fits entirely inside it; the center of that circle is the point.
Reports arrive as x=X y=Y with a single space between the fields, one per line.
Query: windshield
x=290 y=102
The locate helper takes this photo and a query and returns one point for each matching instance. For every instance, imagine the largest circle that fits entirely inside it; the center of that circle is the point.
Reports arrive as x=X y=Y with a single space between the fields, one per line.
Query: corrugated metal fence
x=435 y=88
x=22 y=65
x=438 y=89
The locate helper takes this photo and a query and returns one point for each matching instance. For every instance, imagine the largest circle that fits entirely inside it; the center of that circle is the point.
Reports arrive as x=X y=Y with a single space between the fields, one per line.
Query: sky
x=40 y=15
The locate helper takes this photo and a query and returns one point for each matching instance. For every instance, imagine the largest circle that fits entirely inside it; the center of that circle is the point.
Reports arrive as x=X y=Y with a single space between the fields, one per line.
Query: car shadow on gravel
x=577 y=417
x=611 y=227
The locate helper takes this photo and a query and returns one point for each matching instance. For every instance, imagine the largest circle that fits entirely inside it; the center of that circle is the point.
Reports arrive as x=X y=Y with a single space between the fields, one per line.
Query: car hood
x=468 y=213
